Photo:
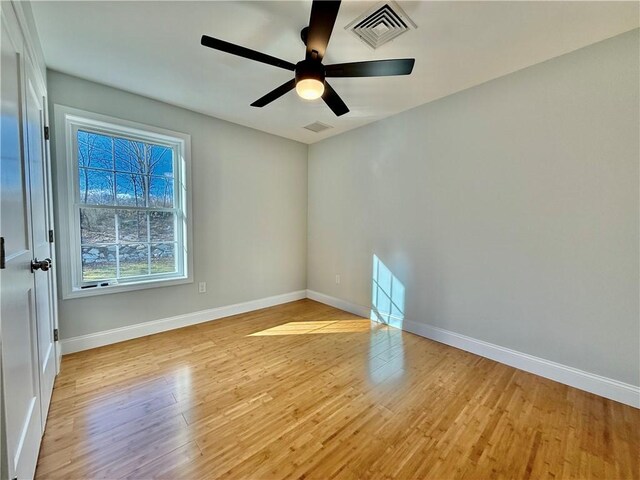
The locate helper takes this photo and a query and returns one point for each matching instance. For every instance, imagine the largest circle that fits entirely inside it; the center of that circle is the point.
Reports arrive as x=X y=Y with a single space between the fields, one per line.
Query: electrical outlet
x=337 y=279
x=202 y=287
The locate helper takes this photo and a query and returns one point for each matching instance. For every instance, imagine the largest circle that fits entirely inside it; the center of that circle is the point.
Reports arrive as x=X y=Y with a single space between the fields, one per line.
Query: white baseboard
x=599 y=385
x=590 y=382
x=99 y=339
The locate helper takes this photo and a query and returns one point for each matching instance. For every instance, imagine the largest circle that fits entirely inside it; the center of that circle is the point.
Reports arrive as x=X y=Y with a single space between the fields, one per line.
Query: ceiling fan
x=310 y=74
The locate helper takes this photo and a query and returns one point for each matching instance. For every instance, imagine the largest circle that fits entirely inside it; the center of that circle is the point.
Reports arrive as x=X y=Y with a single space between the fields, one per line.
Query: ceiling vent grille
x=318 y=127
x=381 y=24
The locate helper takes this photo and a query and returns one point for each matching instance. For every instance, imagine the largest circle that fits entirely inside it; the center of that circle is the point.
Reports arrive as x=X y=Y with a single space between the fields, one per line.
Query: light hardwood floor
x=303 y=390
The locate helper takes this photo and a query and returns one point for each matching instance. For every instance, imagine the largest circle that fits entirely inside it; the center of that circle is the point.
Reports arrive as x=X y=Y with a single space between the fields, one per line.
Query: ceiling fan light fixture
x=310 y=88
x=310 y=79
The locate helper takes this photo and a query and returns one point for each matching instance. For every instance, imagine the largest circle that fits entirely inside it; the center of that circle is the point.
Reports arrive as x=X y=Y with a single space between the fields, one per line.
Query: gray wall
x=249 y=192
x=509 y=211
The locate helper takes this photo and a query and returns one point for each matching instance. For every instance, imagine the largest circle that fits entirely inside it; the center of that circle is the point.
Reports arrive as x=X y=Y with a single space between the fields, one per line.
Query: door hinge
x=50 y=236
x=2 y=252
x=46 y=133
x=55 y=335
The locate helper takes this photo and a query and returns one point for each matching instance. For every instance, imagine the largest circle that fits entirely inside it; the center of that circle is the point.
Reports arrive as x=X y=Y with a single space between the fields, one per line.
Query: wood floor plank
x=303 y=390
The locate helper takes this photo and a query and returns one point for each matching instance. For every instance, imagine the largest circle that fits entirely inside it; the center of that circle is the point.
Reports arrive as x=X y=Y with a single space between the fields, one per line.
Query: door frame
x=46 y=152
x=39 y=197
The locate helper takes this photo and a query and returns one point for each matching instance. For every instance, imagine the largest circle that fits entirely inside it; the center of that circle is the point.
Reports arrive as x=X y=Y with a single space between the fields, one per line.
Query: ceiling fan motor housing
x=310 y=69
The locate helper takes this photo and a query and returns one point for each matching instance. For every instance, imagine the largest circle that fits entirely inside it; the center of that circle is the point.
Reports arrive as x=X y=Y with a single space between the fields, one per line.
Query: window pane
x=94 y=150
x=132 y=226
x=129 y=194
x=96 y=187
x=131 y=156
x=163 y=258
x=97 y=225
x=134 y=260
x=161 y=226
x=98 y=262
x=130 y=189
x=161 y=192
x=161 y=161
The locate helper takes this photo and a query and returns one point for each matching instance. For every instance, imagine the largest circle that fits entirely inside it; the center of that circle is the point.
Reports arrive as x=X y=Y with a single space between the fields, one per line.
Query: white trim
x=127 y=287
x=590 y=382
x=67 y=120
x=99 y=339
x=33 y=46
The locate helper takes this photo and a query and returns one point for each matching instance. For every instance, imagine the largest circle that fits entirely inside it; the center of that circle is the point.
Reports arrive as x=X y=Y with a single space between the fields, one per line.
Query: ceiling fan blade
x=333 y=100
x=245 y=52
x=323 y=17
x=275 y=94
x=375 y=68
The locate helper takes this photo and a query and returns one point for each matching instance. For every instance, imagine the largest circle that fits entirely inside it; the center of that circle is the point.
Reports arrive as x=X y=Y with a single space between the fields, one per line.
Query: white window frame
x=67 y=123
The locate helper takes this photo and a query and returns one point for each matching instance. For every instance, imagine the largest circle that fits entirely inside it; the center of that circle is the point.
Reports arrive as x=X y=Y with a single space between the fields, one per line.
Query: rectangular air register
x=381 y=24
x=318 y=127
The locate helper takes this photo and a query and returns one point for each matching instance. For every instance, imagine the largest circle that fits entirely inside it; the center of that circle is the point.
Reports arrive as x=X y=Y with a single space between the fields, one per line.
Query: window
x=126 y=186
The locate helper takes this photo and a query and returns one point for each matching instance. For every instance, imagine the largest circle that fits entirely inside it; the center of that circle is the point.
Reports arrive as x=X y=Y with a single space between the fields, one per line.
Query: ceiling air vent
x=317 y=127
x=381 y=24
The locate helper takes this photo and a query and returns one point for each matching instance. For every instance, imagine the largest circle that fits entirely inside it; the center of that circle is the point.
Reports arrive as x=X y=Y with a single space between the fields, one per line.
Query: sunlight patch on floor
x=314 y=327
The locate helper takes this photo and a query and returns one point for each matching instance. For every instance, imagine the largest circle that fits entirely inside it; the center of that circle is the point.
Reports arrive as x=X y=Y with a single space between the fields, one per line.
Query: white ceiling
x=153 y=49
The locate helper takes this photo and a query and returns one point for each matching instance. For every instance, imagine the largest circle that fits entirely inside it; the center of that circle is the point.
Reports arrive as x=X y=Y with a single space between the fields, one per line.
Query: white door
x=43 y=276
x=21 y=386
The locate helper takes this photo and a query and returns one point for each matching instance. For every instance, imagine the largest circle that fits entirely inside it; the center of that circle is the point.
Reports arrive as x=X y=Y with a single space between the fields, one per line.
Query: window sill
x=121 y=288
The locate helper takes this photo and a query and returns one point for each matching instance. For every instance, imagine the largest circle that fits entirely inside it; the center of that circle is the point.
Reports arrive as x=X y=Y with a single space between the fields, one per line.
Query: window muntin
x=129 y=208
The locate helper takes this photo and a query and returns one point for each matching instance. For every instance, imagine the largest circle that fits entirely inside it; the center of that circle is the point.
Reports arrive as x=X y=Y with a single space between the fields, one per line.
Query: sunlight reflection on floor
x=385 y=357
